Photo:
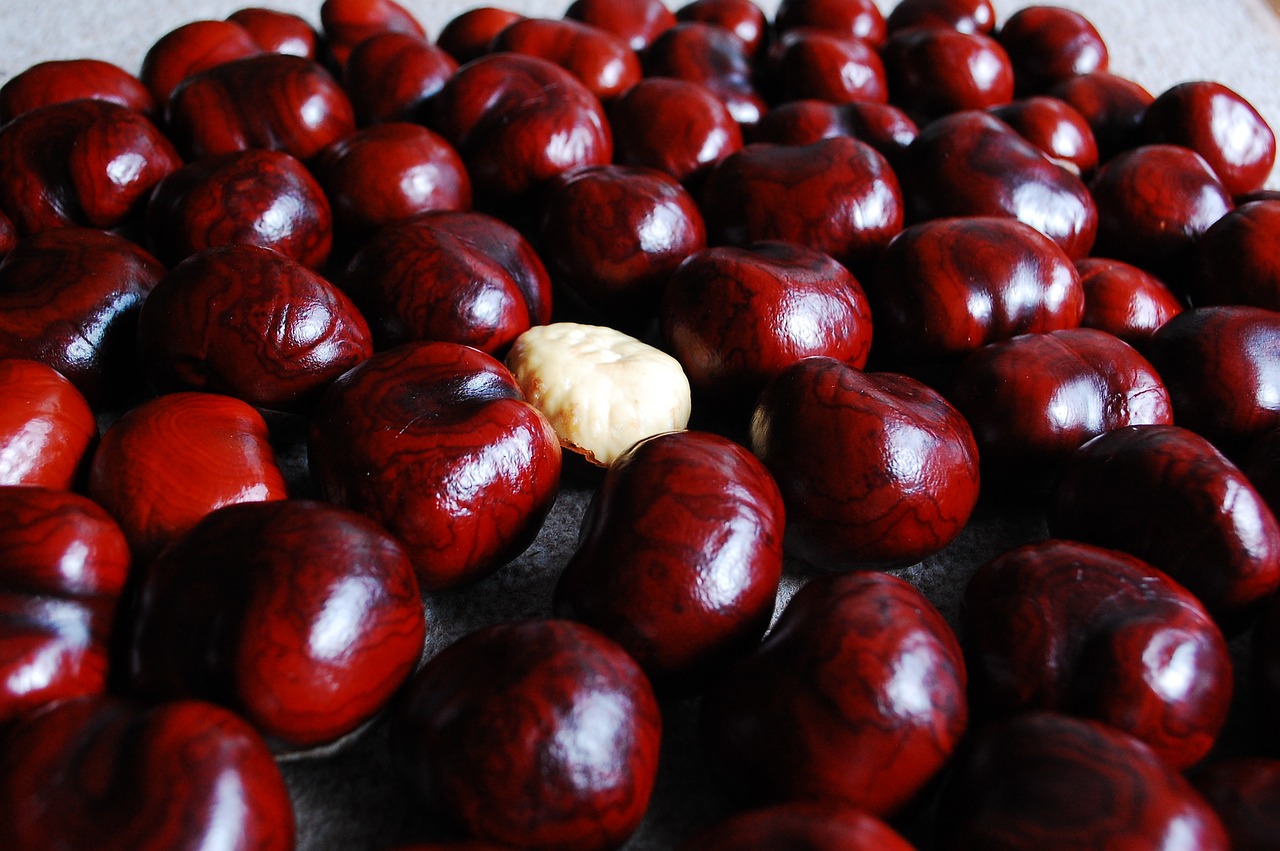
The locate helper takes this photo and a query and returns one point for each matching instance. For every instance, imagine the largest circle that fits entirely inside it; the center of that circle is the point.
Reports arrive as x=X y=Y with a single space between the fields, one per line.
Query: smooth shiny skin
x=1112 y=105
x=254 y=197
x=637 y=22
x=189 y=49
x=104 y=773
x=468 y=35
x=70 y=299
x=63 y=563
x=1245 y=793
x=1048 y=782
x=935 y=72
x=736 y=317
x=303 y=618
x=392 y=77
x=743 y=18
x=972 y=164
x=61 y=80
x=859 y=19
x=167 y=463
x=1073 y=628
x=454 y=276
x=969 y=16
x=250 y=323
x=855 y=697
x=1032 y=399
x=874 y=468
x=278 y=32
x=1165 y=495
x=818 y=64
x=675 y=126
x=814 y=827
x=1238 y=258
x=1123 y=300
x=1048 y=44
x=346 y=23
x=46 y=426
x=712 y=57
x=436 y=442
x=801 y=122
x=679 y=556
x=1055 y=127
x=533 y=734
x=599 y=59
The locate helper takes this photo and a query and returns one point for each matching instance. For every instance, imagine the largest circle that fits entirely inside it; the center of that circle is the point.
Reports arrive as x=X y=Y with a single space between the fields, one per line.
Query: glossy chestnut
x=1165 y=495
x=1124 y=300
x=836 y=195
x=874 y=468
x=277 y=32
x=468 y=35
x=712 y=57
x=1032 y=399
x=675 y=126
x=81 y=163
x=816 y=827
x=1238 y=258
x=1048 y=44
x=46 y=426
x=278 y=102
x=860 y=19
x=1056 y=128
x=250 y=323
x=63 y=563
x=389 y=173
x=602 y=61
x=972 y=164
x=970 y=16
x=743 y=18
x=62 y=80
x=303 y=618
x=104 y=773
x=1245 y=793
x=392 y=76
x=460 y=277
x=945 y=288
x=1222 y=368
x=168 y=462
x=70 y=299
x=736 y=317
x=577 y=761
x=934 y=72
x=1048 y=782
x=856 y=697
x=818 y=64
x=190 y=49
x=436 y=442
x=253 y=197
x=636 y=22
x=346 y=23
x=612 y=235
x=884 y=127
x=679 y=556
x=1068 y=627
x=1219 y=125
x=1112 y=105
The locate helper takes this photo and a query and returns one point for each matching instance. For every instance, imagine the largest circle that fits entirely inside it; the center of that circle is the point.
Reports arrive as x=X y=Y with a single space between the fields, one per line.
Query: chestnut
x=346 y=23
x=191 y=48
x=46 y=426
x=934 y=72
x=675 y=126
x=1124 y=300
x=101 y=772
x=874 y=468
x=743 y=18
x=63 y=563
x=435 y=441
x=1238 y=260
x=62 y=80
x=801 y=122
x=277 y=32
x=1112 y=105
x=392 y=76
x=636 y=22
x=602 y=61
x=713 y=57
x=969 y=16
x=302 y=617
x=1074 y=628
x=535 y=734
x=1055 y=127
x=817 y=827
x=818 y=64
x=856 y=697
x=170 y=461
x=860 y=19
x=250 y=323
x=1245 y=793
x=468 y=35
x=1049 y=44
x=1165 y=495
x=679 y=556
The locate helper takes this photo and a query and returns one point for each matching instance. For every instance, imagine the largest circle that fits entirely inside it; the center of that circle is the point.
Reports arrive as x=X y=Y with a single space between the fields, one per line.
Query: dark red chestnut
x=860 y=19
x=277 y=32
x=945 y=288
x=837 y=195
x=679 y=556
x=856 y=697
x=1112 y=105
x=602 y=61
x=1124 y=300
x=190 y=49
x=1056 y=128
x=302 y=617
x=1245 y=793
x=80 y=163
x=102 y=773
x=972 y=164
x=1049 y=44
x=348 y=22
x=1048 y=782
x=70 y=298
x=461 y=277
x=535 y=734
x=636 y=22
x=971 y=16
x=736 y=317
x=278 y=102
x=1078 y=629
x=713 y=57
x=254 y=197
x=250 y=323
x=675 y=126
x=614 y=234
x=1238 y=258
x=63 y=80
x=885 y=128
x=392 y=76
x=168 y=462
x=814 y=827
x=1165 y=495
x=469 y=35
x=389 y=173
x=819 y=64
x=63 y=563
x=1220 y=126
x=46 y=426
x=518 y=121
x=933 y=72
x=1222 y=368
x=743 y=18
x=873 y=467
x=436 y=442
x=1031 y=400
